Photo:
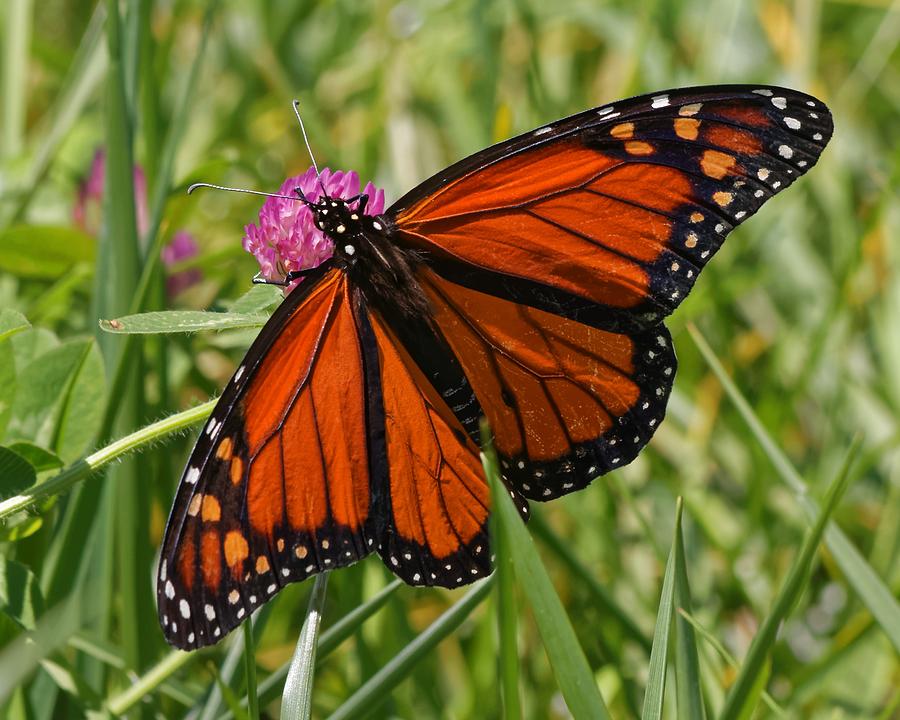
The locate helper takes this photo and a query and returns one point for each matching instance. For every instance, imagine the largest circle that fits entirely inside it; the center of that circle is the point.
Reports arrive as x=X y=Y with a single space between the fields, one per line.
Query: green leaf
x=377 y=689
x=257 y=300
x=41 y=459
x=656 y=681
x=11 y=322
x=43 y=252
x=20 y=594
x=180 y=321
x=16 y=473
x=744 y=694
x=296 y=703
x=59 y=400
x=570 y=667
x=687 y=663
x=870 y=588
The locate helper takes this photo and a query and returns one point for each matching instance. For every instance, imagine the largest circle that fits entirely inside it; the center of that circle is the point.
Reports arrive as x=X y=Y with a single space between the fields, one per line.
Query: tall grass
x=614 y=603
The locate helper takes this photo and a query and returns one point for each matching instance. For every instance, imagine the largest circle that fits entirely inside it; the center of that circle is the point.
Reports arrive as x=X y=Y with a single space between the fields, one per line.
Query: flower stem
x=82 y=469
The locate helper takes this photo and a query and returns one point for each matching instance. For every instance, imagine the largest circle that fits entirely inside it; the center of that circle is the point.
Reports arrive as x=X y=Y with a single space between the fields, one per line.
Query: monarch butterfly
x=528 y=284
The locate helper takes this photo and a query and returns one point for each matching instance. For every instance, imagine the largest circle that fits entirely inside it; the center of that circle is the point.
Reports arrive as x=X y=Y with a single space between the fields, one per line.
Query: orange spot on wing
x=236 y=471
x=723 y=198
x=223 y=452
x=687 y=128
x=623 y=131
x=212 y=511
x=236 y=551
x=638 y=147
x=717 y=164
x=262 y=564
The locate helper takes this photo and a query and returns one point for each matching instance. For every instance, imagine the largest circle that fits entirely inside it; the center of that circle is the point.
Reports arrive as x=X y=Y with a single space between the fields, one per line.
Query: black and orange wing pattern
x=435 y=515
x=278 y=485
x=552 y=259
x=608 y=216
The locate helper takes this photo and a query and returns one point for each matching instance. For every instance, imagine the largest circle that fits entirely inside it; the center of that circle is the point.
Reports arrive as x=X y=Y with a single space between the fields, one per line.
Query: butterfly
x=528 y=284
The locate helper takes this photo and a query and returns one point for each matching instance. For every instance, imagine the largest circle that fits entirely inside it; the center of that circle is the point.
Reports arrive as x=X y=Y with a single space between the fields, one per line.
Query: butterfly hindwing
x=566 y=401
x=436 y=507
x=610 y=215
x=277 y=488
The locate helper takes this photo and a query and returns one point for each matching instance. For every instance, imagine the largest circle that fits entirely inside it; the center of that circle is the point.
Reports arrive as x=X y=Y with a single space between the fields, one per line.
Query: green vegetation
x=770 y=590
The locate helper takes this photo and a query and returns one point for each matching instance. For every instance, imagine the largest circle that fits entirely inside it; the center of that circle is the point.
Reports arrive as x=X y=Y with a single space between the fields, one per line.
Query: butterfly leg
x=258 y=279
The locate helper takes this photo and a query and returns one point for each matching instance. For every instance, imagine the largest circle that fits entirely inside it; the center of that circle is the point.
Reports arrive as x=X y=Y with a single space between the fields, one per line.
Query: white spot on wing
x=785 y=151
x=184 y=608
x=660 y=101
x=792 y=123
x=543 y=130
x=193 y=474
x=237 y=375
x=779 y=102
x=210 y=612
x=170 y=589
x=764 y=91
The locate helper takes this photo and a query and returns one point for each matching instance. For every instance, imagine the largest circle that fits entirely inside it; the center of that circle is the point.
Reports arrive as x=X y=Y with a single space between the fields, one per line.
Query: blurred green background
x=802 y=306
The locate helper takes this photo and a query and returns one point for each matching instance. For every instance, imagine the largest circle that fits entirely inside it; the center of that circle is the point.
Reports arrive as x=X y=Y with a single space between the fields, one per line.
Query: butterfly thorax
x=382 y=271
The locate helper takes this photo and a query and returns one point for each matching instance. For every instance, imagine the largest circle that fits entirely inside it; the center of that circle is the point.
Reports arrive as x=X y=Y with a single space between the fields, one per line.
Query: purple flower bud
x=286 y=237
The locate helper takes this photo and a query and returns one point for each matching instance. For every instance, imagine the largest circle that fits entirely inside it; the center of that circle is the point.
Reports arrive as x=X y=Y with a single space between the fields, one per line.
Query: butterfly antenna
x=296 y=105
x=241 y=190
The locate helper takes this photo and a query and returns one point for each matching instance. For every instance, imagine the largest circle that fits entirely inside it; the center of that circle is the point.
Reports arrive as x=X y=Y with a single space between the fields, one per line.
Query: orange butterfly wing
x=608 y=216
x=437 y=503
x=277 y=487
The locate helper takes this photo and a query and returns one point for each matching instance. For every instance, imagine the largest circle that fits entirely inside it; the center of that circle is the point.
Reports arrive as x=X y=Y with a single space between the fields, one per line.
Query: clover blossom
x=286 y=237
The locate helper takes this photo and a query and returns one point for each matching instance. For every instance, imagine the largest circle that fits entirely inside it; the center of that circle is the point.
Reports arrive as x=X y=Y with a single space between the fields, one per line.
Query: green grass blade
x=17 y=32
x=296 y=704
x=570 y=667
x=507 y=612
x=656 y=681
x=742 y=698
x=729 y=659
x=85 y=75
x=377 y=688
x=150 y=681
x=687 y=663
x=600 y=594
x=250 y=669
x=869 y=587
x=271 y=687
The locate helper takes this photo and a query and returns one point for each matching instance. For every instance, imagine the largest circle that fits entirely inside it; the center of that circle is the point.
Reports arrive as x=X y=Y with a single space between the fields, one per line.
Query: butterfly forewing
x=278 y=486
x=610 y=215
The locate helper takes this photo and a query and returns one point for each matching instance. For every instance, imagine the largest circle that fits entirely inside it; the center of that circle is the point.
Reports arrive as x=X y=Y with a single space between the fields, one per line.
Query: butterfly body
x=526 y=284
